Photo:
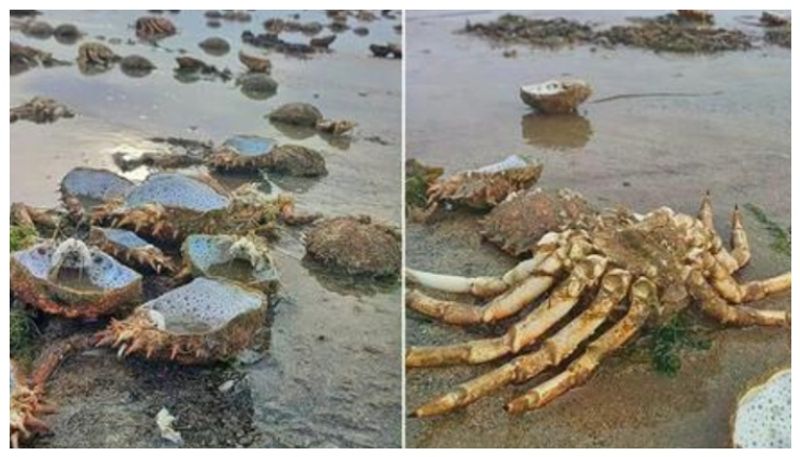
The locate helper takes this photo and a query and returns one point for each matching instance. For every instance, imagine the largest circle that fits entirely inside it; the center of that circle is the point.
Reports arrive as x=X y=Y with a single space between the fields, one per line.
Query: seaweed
x=781 y=237
x=22 y=237
x=23 y=332
x=670 y=340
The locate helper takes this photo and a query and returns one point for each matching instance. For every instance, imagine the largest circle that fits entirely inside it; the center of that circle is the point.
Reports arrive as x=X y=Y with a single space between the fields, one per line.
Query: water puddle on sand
x=464 y=111
x=331 y=374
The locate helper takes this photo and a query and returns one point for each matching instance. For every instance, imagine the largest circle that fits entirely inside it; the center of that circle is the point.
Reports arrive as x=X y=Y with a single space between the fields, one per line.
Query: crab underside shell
x=103 y=287
x=216 y=256
x=204 y=321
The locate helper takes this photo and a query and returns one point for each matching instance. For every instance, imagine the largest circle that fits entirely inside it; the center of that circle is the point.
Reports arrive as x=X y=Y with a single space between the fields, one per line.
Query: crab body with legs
x=653 y=266
x=188 y=325
x=485 y=187
x=169 y=206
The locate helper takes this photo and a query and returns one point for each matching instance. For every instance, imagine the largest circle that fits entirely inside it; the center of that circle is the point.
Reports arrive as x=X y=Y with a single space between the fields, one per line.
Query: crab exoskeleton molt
x=130 y=249
x=355 y=246
x=485 y=187
x=27 y=407
x=204 y=321
x=654 y=265
x=168 y=206
x=250 y=153
x=242 y=259
x=73 y=280
x=510 y=226
x=556 y=96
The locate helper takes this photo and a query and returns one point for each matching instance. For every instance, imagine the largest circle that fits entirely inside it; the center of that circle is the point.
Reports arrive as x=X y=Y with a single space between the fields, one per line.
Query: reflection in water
x=556 y=131
x=296 y=132
x=342 y=284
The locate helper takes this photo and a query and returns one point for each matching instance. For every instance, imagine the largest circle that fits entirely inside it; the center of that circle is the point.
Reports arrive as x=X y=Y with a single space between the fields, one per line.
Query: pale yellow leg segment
x=732 y=291
x=644 y=299
x=739 y=244
x=502 y=306
x=714 y=305
x=555 y=349
x=521 y=334
x=482 y=286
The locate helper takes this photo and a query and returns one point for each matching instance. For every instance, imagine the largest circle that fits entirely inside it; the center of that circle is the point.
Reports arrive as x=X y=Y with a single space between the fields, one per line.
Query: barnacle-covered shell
x=79 y=281
x=204 y=321
x=517 y=224
x=355 y=245
x=130 y=249
x=556 y=95
x=242 y=259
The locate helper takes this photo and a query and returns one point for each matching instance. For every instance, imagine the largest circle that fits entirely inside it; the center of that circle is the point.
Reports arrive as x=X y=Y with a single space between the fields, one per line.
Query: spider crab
x=652 y=266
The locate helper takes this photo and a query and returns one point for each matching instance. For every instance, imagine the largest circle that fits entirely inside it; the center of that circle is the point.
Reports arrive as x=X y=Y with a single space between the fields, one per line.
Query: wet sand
x=331 y=374
x=463 y=111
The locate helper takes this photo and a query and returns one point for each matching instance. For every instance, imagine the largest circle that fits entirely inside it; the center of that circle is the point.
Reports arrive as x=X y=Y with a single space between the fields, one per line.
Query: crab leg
x=643 y=299
x=586 y=274
x=507 y=304
x=740 y=253
x=714 y=305
x=734 y=292
x=614 y=286
x=486 y=286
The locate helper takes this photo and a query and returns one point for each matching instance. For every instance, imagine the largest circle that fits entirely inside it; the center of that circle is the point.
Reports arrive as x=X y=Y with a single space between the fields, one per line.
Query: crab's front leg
x=735 y=292
x=740 y=247
x=714 y=305
x=643 y=300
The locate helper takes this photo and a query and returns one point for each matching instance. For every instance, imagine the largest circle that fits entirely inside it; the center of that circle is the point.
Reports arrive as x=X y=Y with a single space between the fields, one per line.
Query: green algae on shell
x=207 y=320
x=73 y=280
x=241 y=259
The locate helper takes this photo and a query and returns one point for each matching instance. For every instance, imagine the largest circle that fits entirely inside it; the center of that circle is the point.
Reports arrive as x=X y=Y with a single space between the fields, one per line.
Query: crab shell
x=117 y=285
x=511 y=228
x=356 y=245
x=556 y=96
x=96 y=54
x=236 y=312
x=130 y=249
x=169 y=206
x=487 y=186
x=153 y=28
x=207 y=255
x=242 y=153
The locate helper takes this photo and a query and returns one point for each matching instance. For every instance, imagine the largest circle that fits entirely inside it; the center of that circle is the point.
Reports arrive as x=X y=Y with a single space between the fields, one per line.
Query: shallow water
x=331 y=375
x=463 y=111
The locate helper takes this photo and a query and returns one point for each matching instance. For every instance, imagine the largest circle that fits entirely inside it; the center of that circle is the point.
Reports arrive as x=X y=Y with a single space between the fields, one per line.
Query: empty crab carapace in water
x=73 y=280
x=485 y=187
x=204 y=321
x=242 y=259
x=655 y=265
